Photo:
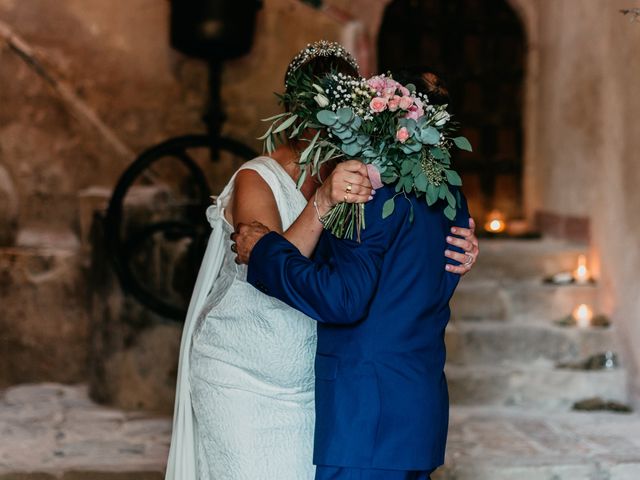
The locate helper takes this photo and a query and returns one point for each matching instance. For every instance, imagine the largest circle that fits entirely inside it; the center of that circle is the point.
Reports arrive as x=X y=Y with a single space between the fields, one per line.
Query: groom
x=382 y=306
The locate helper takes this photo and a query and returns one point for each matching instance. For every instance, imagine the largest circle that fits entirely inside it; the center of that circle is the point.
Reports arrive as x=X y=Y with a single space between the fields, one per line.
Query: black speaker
x=215 y=30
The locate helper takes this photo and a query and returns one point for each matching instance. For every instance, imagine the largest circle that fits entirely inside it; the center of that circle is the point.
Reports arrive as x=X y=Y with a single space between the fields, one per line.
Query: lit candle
x=581 y=274
x=583 y=316
x=495 y=222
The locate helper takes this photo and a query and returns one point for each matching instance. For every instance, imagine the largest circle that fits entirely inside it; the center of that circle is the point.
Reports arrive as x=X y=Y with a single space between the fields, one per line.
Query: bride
x=245 y=394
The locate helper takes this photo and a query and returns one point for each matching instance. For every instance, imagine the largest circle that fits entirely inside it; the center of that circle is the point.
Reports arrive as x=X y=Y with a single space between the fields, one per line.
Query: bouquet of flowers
x=390 y=127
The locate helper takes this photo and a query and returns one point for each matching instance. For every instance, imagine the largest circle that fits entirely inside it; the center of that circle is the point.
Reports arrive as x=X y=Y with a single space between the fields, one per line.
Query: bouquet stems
x=345 y=219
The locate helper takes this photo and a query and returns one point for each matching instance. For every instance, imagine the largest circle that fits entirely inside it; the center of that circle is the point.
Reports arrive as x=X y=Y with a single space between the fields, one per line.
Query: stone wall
x=583 y=136
x=85 y=85
x=107 y=85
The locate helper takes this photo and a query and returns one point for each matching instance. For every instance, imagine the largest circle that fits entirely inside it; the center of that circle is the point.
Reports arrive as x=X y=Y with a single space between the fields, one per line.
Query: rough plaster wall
x=283 y=28
x=582 y=157
x=115 y=57
x=126 y=90
x=617 y=214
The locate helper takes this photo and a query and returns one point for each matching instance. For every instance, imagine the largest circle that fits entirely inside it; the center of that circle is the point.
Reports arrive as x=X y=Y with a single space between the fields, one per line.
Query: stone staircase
x=512 y=415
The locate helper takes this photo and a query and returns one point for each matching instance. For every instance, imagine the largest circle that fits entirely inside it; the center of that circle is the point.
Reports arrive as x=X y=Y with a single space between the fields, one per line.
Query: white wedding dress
x=245 y=395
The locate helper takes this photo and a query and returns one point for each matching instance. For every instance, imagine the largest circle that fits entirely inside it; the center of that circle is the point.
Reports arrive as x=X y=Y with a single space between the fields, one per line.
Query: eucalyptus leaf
x=437 y=153
x=442 y=191
x=363 y=139
x=344 y=135
x=345 y=115
x=388 y=207
x=351 y=149
x=406 y=167
x=429 y=135
x=326 y=117
x=450 y=212
x=451 y=200
x=462 y=143
x=410 y=147
x=420 y=182
x=453 y=178
x=432 y=194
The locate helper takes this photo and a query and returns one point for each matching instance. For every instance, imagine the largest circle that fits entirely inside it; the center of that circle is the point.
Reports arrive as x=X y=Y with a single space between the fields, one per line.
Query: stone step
x=512 y=444
x=508 y=260
x=526 y=301
x=499 y=343
x=533 y=387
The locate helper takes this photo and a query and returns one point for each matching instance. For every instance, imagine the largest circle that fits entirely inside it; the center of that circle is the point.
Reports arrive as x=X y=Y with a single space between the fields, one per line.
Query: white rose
x=321 y=100
x=441 y=118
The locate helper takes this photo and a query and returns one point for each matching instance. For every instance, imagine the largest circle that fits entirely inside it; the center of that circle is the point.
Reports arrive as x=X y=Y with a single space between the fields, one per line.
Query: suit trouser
x=338 y=473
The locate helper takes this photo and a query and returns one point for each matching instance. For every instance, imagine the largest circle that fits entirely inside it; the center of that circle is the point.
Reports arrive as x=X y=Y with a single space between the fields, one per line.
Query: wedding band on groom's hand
x=234 y=248
x=469 y=262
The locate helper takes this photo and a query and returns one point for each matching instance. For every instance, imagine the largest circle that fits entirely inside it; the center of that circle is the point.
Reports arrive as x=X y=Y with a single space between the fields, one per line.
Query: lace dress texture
x=246 y=365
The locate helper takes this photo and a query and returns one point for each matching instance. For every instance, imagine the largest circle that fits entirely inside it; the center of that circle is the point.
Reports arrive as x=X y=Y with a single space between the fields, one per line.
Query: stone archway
x=479 y=48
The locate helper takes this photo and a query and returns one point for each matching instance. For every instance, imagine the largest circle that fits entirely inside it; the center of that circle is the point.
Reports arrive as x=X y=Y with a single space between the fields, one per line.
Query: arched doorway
x=478 y=48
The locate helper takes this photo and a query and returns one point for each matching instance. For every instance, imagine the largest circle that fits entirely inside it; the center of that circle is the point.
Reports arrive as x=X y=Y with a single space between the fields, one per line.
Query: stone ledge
x=535 y=388
x=500 y=343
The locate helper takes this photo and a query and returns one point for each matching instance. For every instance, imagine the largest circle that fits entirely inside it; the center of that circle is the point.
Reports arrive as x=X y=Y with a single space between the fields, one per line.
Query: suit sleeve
x=340 y=289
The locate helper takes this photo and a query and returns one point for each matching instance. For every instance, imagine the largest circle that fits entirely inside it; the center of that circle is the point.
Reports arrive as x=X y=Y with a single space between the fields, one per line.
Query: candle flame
x=583 y=315
x=581 y=273
x=495 y=222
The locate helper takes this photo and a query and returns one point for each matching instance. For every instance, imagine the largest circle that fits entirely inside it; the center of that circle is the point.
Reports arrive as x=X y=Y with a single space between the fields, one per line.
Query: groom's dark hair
x=426 y=81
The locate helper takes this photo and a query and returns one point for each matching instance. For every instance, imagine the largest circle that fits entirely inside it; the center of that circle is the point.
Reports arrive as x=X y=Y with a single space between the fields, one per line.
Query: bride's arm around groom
x=382 y=306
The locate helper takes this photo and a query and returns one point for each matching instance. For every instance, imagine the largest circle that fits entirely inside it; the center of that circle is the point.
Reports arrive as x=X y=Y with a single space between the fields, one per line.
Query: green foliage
x=388 y=207
x=346 y=128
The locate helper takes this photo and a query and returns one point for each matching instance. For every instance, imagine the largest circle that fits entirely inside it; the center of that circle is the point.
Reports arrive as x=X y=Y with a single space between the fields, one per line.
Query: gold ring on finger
x=349 y=187
x=346 y=198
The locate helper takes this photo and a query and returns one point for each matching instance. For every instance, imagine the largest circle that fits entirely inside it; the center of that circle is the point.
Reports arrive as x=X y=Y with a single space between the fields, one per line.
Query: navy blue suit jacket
x=382 y=306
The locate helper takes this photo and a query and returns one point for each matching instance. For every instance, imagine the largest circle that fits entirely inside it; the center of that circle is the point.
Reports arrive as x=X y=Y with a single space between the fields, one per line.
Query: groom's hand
x=245 y=238
x=468 y=243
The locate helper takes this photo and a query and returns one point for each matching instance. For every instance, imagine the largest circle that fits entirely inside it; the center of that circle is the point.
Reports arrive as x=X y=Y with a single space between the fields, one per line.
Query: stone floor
x=50 y=431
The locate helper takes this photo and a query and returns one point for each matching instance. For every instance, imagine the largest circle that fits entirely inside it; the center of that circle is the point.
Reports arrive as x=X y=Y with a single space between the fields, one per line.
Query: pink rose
x=374 y=176
x=394 y=103
x=378 y=104
x=402 y=135
x=405 y=102
x=404 y=90
x=415 y=111
x=377 y=83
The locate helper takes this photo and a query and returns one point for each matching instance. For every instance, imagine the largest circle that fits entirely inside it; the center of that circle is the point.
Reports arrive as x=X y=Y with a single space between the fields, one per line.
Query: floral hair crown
x=321 y=48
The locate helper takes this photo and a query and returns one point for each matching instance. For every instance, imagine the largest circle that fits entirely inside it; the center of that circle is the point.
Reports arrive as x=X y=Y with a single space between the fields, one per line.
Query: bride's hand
x=349 y=182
